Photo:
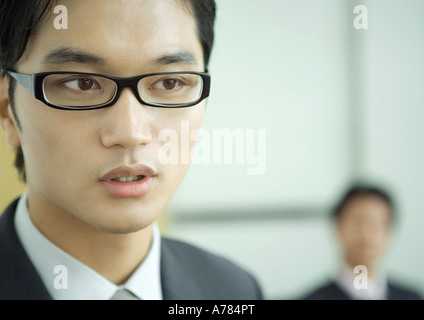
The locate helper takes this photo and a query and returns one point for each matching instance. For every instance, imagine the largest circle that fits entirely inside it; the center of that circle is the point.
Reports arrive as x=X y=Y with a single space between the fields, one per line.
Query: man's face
x=364 y=229
x=69 y=154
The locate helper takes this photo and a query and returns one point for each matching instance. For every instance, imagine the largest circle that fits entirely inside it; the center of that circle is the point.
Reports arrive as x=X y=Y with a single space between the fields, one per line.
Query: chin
x=124 y=224
x=365 y=260
x=123 y=229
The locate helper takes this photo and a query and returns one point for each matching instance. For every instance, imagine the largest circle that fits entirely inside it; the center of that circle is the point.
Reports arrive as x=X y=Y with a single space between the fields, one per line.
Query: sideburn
x=19 y=154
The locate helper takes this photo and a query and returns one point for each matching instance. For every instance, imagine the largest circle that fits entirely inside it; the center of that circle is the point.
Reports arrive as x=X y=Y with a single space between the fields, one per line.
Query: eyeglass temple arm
x=26 y=80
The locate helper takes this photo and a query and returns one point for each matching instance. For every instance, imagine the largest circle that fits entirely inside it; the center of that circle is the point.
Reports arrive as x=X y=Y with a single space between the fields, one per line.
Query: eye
x=168 y=84
x=81 y=84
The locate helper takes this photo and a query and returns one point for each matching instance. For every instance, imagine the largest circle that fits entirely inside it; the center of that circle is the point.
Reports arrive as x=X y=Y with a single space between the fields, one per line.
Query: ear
x=7 y=120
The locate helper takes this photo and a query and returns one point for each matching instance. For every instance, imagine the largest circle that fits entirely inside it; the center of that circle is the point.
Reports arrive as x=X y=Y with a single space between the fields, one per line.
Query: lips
x=128 y=182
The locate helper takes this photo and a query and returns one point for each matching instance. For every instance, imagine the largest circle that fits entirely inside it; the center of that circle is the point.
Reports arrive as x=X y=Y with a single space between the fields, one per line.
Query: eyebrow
x=67 y=55
x=184 y=57
x=64 y=55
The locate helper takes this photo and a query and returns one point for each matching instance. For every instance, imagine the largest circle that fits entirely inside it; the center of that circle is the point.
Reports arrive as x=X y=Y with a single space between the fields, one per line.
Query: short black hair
x=361 y=190
x=20 y=19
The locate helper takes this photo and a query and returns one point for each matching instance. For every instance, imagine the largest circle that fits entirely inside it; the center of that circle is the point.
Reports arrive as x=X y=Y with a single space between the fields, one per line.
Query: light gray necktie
x=123 y=294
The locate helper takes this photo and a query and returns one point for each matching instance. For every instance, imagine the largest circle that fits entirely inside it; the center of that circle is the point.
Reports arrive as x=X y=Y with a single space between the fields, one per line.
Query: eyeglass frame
x=34 y=84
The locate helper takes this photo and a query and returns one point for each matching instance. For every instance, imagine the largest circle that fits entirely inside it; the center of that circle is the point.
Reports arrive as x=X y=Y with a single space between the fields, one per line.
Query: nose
x=127 y=124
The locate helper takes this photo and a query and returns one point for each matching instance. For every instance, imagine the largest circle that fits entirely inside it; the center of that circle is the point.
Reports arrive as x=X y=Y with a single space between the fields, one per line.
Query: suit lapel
x=180 y=280
x=173 y=281
x=18 y=278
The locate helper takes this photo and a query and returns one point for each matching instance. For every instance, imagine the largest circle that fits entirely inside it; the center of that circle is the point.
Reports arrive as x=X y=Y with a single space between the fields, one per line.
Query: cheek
x=178 y=128
x=383 y=240
x=177 y=138
x=52 y=141
x=348 y=236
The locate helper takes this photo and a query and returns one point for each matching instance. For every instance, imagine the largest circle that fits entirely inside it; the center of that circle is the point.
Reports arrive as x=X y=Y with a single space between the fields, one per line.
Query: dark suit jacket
x=332 y=291
x=188 y=273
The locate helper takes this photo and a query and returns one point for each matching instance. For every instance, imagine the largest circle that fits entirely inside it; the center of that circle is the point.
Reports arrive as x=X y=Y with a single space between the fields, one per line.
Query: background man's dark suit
x=187 y=272
x=332 y=291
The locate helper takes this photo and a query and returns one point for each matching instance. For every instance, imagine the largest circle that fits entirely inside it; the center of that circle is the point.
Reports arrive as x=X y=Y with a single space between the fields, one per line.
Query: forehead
x=126 y=34
x=367 y=207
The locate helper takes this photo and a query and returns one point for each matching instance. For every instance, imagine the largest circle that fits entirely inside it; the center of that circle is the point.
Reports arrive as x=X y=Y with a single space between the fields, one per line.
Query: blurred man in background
x=364 y=220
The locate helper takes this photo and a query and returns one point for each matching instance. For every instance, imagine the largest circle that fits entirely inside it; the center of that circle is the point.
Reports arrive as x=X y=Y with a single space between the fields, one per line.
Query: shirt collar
x=376 y=288
x=66 y=278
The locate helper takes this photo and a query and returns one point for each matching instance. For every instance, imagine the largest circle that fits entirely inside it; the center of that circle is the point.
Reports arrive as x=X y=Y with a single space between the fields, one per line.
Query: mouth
x=129 y=173
x=128 y=182
x=128 y=179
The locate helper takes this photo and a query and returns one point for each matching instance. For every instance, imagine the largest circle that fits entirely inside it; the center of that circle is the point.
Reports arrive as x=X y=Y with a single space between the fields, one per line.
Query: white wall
x=393 y=127
x=280 y=66
x=337 y=103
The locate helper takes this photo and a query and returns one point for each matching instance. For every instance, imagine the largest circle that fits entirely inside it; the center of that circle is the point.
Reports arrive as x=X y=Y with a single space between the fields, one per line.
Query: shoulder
x=199 y=258
x=18 y=278
x=399 y=291
x=327 y=291
x=205 y=274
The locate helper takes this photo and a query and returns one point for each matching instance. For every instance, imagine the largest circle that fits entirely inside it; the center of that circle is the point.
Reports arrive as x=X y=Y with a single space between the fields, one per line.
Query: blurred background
x=338 y=104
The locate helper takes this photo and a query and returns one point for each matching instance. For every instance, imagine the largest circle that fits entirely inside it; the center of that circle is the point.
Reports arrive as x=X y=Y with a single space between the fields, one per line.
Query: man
x=364 y=221
x=87 y=88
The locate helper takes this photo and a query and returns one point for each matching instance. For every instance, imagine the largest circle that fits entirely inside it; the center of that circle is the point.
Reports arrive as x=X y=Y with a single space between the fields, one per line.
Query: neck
x=114 y=256
x=372 y=270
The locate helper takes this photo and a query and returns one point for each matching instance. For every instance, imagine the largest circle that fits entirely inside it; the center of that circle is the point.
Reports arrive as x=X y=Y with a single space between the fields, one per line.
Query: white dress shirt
x=377 y=289
x=66 y=278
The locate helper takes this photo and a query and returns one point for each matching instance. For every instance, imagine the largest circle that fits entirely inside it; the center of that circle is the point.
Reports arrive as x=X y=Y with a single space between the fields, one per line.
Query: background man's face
x=364 y=230
x=68 y=152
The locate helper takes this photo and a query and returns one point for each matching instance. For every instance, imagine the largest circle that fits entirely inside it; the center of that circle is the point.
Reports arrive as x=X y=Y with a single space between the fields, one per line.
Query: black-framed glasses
x=87 y=91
